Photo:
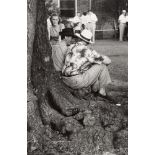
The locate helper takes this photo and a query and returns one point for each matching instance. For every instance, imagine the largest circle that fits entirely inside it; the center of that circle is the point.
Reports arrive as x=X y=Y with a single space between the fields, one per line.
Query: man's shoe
x=110 y=99
x=107 y=98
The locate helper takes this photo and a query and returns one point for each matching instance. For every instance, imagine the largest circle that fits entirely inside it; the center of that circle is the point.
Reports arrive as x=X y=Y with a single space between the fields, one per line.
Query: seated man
x=59 y=50
x=84 y=67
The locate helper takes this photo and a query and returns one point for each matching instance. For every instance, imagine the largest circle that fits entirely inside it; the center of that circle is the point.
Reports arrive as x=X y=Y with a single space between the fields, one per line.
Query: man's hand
x=106 y=60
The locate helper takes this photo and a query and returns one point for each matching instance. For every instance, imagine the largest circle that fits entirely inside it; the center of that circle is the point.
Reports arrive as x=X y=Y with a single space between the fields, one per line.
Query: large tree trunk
x=35 y=125
x=54 y=115
x=31 y=22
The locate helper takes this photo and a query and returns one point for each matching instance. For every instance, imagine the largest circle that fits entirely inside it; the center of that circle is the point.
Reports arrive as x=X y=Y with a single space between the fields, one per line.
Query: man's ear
x=66 y=37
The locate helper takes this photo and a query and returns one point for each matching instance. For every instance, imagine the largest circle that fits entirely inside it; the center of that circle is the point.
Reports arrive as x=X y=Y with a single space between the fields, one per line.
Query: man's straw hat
x=85 y=35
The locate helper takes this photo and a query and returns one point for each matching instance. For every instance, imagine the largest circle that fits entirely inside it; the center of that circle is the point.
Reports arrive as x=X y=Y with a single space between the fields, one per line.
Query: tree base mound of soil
x=87 y=126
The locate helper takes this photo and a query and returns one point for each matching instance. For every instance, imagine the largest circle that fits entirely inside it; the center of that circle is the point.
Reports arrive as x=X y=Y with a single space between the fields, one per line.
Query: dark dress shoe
x=107 y=98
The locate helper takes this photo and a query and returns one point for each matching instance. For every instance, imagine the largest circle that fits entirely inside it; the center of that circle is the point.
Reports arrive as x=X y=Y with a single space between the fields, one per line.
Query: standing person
x=77 y=18
x=92 y=23
x=84 y=67
x=127 y=17
x=77 y=22
x=84 y=20
x=55 y=28
x=122 y=24
x=126 y=28
x=49 y=24
x=59 y=49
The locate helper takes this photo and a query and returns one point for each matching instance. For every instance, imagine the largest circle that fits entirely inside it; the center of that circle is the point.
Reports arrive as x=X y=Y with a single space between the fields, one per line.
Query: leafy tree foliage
x=51 y=7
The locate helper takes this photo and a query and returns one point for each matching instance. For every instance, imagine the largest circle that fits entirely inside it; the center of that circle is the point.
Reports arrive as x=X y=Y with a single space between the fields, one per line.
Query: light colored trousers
x=97 y=77
x=58 y=56
x=121 y=31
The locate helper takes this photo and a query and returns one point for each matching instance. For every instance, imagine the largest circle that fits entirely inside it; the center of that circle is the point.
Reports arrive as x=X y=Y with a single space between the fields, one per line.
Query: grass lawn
x=118 y=52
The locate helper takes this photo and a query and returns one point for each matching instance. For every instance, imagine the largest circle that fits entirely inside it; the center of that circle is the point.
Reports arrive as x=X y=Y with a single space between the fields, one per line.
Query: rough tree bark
x=88 y=125
x=33 y=117
x=40 y=71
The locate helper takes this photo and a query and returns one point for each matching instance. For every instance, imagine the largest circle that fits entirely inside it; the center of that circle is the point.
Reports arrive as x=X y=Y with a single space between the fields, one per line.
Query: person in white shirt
x=84 y=19
x=77 y=18
x=122 y=24
x=77 y=23
x=127 y=17
x=92 y=19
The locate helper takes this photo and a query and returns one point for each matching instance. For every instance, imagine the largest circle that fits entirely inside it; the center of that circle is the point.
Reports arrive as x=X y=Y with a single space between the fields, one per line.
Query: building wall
x=82 y=5
x=106 y=18
x=56 y=2
x=67 y=8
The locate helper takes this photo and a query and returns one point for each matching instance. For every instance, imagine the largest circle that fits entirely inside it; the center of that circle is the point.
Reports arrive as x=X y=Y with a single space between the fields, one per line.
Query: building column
x=90 y=3
x=75 y=7
x=58 y=3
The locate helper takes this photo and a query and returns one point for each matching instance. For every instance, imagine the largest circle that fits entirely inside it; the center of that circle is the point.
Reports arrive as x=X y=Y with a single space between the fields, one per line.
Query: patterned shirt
x=80 y=58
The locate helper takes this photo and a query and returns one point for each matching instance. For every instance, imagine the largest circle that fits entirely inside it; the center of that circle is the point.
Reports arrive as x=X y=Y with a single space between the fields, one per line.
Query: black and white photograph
x=77 y=77
x=72 y=82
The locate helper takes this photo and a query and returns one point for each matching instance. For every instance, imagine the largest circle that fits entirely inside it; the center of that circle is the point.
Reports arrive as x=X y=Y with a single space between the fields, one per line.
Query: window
x=67 y=8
